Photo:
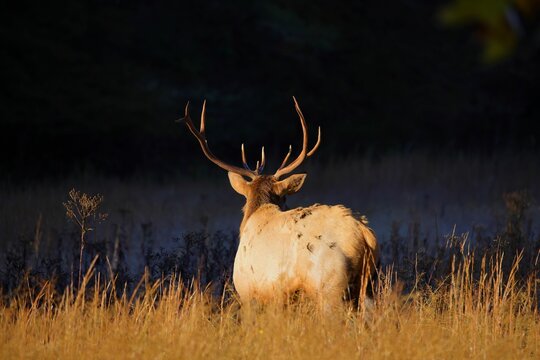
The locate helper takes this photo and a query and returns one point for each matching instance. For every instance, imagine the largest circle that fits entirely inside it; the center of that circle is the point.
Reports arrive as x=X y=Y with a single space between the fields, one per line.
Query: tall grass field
x=143 y=270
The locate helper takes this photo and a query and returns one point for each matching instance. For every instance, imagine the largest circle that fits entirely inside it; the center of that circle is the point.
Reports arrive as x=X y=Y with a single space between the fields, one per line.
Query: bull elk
x=322 y=251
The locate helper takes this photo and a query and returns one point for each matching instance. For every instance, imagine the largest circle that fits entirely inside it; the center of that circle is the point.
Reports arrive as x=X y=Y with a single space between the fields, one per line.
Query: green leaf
x=486 y=12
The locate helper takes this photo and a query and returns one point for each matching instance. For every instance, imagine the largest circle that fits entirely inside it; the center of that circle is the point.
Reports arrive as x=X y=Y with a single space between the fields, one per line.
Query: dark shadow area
x=97 y=85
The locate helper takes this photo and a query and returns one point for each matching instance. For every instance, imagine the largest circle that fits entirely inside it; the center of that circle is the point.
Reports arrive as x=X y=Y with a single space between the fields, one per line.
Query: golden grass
x=492 y=317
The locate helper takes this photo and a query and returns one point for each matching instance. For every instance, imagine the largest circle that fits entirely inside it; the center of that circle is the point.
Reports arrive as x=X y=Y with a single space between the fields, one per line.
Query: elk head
x=259 y=189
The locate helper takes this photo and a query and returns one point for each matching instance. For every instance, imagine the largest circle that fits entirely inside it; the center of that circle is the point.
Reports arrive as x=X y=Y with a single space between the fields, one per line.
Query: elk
x=321 y=251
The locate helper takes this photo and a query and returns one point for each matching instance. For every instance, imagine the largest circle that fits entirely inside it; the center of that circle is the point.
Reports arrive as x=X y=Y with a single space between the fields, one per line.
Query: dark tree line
x=98 y=84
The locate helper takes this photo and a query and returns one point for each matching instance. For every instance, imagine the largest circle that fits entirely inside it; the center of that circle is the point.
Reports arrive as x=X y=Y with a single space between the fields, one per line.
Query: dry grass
x=456 y=304
x=495 y=316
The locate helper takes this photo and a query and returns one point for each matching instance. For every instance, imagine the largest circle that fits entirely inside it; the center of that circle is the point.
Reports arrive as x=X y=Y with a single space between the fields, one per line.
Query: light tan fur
x=321 y=250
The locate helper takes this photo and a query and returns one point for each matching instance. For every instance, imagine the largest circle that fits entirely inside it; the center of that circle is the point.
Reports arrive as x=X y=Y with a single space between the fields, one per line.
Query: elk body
x=321 y=251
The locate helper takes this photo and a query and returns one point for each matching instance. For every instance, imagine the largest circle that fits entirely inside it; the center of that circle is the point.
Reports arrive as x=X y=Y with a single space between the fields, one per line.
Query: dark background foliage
x=98 y=84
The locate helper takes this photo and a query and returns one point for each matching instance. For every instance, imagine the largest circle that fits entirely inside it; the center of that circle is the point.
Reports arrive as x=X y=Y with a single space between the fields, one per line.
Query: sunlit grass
x=455 y=303
x=477 y=312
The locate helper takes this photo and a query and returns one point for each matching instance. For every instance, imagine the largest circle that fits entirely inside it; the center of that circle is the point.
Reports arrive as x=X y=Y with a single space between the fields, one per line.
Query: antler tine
x=304 y=128
x=200 y=136
x=316 y=146
x=186 y=117
x=244 y=161
x=260 y=165
x=191 y=126
x=203 y=116
x=263 y=161
x=286 y=158
x=304 y=153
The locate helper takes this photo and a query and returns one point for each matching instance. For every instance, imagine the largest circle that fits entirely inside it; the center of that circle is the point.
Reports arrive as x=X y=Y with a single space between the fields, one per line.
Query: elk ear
x=290 y=185
x=238 y=183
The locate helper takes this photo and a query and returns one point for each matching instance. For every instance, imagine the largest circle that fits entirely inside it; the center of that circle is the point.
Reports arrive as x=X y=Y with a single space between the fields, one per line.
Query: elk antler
x=201 y=137
x=304 y=153
x=258 y=168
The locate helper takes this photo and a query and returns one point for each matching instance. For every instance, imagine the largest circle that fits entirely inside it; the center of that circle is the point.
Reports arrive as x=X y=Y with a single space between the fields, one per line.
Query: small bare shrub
x=82 y=209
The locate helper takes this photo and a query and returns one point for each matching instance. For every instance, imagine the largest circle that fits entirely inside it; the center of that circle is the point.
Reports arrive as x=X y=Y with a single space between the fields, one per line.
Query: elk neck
x=260 y=193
